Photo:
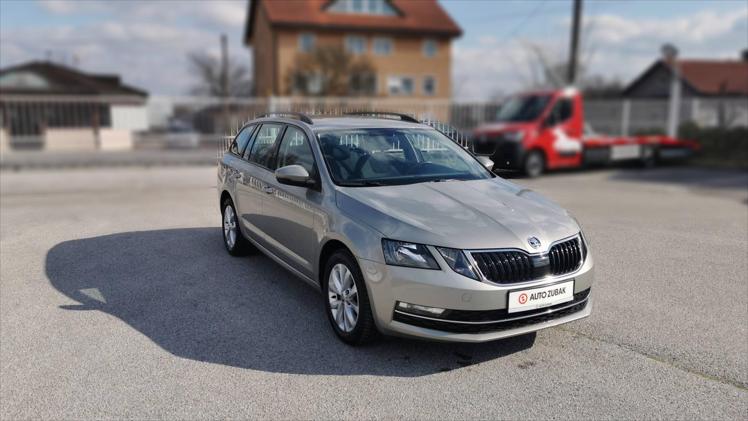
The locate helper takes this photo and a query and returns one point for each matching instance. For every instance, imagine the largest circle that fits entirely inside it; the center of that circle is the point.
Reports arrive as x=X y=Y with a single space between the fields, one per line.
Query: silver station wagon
x=402 y=230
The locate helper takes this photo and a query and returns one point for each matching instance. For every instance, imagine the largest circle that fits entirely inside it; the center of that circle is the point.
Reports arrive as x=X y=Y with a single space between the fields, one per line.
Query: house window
x=307 y=84
x=400 y=85
x=364 y=84
x=429 y=85
x=306 y=43
x=429 y=48
x=382 y=46
x=369 y=7
x=355 y=44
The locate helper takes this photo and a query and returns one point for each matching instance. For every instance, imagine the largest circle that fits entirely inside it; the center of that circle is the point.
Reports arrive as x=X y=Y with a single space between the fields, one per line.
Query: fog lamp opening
x=419 y=309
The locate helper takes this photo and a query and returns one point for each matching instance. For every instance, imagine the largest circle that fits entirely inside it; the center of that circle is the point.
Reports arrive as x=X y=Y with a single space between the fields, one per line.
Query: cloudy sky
x=147 y=41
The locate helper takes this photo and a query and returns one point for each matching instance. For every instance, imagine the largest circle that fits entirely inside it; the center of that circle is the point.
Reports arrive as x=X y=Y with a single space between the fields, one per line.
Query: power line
x=522 y=23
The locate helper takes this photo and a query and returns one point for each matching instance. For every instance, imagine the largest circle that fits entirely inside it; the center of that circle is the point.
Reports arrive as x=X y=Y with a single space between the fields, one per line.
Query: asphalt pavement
x=117 y=300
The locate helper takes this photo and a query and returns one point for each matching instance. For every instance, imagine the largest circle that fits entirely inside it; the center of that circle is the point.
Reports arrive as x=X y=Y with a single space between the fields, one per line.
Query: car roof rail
x=298 y=116
x=401 y=116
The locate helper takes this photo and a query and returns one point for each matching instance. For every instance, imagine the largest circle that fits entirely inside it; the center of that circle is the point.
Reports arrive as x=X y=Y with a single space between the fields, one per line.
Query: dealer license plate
x=545 y=296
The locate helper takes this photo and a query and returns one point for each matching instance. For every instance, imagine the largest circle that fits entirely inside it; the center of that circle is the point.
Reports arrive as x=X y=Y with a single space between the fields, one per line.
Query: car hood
x=476 y=214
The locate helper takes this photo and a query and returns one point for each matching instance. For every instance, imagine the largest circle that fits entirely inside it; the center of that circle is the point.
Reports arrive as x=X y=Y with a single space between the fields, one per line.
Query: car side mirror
x=486 y=161
x=294 y=175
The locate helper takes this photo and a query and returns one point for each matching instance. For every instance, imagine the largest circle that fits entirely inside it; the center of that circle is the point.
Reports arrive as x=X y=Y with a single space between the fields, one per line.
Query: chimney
x=744 y=54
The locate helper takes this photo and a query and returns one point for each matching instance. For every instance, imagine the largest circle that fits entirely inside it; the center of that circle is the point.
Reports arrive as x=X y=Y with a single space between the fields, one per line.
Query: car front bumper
x=477 y=309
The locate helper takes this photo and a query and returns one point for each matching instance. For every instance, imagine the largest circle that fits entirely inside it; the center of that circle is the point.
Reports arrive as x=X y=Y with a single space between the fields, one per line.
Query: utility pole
x=571 y=73
x=224 y=65
x=224 y=81
x=670 y=57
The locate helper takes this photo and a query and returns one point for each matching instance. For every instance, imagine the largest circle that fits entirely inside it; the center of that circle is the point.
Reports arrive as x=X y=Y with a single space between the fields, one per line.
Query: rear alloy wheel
x=534 y=164
x=347 y=303
x=233 y=239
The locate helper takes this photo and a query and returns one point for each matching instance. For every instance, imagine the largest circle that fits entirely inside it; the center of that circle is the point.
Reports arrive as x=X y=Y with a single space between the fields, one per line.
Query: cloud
x=697 y=28
x=613 y=46
x=229 y=13
x=146 y=42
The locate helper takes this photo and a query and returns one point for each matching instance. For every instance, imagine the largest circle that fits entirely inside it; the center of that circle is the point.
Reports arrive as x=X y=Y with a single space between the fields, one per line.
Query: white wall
x=129 y=117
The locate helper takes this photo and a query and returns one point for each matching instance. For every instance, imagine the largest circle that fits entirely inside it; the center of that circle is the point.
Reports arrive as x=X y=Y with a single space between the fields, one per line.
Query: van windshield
x=523 y=108
x=388 y=156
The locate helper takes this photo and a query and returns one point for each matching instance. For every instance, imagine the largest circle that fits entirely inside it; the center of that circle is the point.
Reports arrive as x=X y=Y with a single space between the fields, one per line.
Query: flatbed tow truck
x=539 y=131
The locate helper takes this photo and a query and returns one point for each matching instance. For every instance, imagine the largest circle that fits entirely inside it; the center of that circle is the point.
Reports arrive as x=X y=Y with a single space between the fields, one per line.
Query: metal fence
x=195 y=122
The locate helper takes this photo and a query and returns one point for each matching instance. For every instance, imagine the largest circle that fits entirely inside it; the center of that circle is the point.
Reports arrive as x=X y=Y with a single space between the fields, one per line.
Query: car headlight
x=514 y=136
x=582 y=237
x=399 y=253
x=457 y=260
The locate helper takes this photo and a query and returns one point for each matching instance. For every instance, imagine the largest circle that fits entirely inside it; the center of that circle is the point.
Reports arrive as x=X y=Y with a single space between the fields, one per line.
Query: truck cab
x=545 y=130
x=535 y=131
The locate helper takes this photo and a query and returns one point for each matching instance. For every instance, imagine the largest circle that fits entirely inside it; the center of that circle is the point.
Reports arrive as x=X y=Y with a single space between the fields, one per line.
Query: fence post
x=625 y=117
x=695 y=111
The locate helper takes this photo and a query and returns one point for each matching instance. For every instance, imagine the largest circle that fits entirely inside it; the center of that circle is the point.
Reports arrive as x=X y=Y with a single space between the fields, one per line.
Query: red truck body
x=538 y=131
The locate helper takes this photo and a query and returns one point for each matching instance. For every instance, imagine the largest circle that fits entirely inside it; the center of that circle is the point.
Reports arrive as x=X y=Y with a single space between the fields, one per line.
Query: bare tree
x=210 y=74
x=330 y=71
x=548 y=73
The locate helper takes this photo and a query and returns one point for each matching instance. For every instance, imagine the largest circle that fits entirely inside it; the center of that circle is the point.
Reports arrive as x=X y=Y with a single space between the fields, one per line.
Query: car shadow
x=180 y=288
x=692 y=177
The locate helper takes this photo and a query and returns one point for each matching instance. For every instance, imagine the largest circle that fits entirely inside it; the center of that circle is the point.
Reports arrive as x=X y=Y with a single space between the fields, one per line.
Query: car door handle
x=268 y=190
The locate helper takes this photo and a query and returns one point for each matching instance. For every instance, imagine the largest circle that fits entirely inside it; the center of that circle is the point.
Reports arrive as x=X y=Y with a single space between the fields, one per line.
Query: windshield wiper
x=363 y=183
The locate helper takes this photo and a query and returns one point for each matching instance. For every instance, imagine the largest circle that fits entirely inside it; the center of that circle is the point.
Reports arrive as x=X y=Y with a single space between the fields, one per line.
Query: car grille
x=495 y=320
x=566 y=257
x=503 y=267
x=512 y=266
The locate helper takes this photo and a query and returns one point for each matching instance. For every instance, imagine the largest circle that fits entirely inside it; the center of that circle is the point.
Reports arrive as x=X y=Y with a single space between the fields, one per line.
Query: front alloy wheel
x=343 y=297
x=347 y=304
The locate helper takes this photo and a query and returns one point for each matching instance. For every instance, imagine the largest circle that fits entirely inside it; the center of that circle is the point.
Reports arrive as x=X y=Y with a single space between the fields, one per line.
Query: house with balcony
x=406 y=43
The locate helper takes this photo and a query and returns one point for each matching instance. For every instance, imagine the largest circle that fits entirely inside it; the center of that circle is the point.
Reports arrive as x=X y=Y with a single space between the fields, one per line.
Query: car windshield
x=387 y=156
x=523 y=108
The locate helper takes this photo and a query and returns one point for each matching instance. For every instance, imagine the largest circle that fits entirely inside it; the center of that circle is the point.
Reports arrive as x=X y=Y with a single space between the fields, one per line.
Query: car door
x=232 y=162
x=252 y=184
x=289 y=211
x=559 y=130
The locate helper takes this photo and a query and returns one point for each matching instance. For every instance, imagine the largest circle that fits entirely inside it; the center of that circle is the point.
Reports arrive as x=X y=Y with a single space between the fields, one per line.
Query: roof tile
x=422 y=16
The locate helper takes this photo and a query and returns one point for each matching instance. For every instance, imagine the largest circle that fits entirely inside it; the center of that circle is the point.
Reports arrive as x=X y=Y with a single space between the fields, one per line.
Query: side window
x=560 y=113
x=241 y=140
x=430 y=48
x=263 y=148
x=296 y=150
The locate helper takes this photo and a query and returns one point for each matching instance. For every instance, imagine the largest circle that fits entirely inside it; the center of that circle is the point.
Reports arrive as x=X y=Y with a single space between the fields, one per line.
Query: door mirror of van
x=294 y=175
x=486 y=161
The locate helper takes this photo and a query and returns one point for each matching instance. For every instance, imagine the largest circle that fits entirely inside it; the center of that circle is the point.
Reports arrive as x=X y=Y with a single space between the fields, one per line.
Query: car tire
x=346 y=294
x=233 y=239
x=534 y=164
x=648 y=158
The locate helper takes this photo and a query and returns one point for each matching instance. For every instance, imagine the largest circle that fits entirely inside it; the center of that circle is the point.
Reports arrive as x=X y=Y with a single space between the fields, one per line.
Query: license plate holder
x=533 y=298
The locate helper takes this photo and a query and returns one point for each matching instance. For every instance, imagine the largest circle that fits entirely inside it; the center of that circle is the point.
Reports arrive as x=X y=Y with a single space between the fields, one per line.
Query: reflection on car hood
x=460 y=214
